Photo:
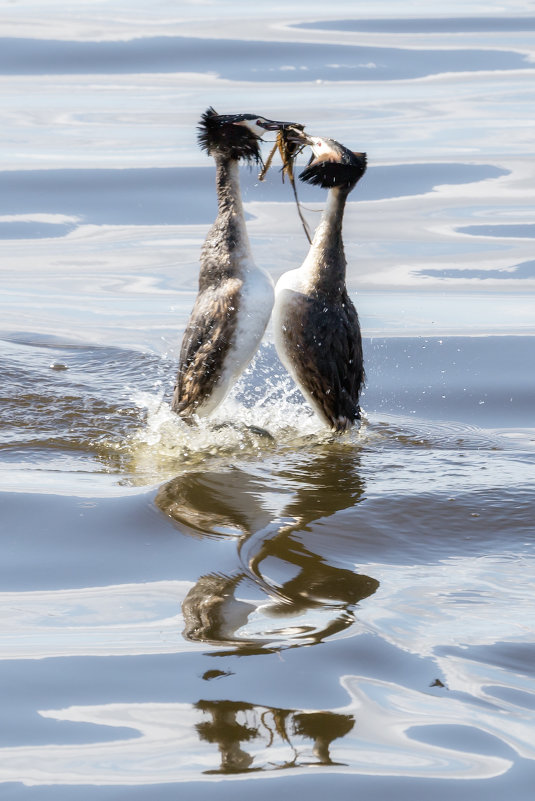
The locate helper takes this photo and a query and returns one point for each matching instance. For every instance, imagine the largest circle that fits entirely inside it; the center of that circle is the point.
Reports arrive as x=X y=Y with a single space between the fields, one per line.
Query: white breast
x=256 y=303
x=287 y=291
x=254 y=311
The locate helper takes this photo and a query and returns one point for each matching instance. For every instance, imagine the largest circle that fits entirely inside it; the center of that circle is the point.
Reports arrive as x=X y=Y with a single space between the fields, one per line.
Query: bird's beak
x=276 y=125
x=295 y=134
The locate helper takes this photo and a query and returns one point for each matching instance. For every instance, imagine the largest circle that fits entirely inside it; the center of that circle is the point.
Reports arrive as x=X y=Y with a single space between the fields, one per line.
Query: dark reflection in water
x=225 y=730
x=214 y=503
x=234 y=723
x=212 y=613
x=270 y=552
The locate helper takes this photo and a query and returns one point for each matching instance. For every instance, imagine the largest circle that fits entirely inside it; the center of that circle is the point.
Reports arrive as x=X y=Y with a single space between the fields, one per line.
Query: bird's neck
x=325 y=265
x=226 y=251
x=227 y=182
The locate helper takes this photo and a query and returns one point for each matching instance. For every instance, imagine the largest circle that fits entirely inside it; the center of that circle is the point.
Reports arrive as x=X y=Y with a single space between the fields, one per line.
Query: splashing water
x=264 y=413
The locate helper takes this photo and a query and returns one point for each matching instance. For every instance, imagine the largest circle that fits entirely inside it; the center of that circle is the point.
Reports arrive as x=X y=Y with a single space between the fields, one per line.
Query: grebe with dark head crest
x=316 y=326
x=235 y=297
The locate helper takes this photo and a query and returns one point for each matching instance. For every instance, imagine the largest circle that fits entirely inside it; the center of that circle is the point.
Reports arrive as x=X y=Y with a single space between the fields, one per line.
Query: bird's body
x=223 y=334
x=235 y=297
x=316 y=326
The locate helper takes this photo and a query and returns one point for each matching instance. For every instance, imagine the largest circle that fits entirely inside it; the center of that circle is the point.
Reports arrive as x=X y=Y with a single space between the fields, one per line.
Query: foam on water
x=249 y=424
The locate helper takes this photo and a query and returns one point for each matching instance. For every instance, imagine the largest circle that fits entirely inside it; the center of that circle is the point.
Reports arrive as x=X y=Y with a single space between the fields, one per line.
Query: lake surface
x=217 y=613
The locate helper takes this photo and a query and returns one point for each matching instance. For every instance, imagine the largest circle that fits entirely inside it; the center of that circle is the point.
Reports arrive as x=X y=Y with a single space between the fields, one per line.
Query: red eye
x=259 y=122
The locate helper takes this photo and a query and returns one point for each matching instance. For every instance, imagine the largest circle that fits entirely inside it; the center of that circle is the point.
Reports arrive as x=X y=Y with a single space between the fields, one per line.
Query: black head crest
x=336 y=167
x=218 y=134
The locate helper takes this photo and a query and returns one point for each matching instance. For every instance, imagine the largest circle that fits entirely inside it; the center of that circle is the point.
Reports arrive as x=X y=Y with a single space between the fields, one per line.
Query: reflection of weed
x=280 y=717
x=229 y=733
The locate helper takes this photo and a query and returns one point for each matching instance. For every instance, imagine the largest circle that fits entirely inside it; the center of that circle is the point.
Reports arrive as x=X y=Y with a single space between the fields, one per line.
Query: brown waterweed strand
x=288 y=151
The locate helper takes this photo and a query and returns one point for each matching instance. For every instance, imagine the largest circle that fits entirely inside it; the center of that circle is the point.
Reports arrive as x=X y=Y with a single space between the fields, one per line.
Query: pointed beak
x=276 y=125
x=298 y=136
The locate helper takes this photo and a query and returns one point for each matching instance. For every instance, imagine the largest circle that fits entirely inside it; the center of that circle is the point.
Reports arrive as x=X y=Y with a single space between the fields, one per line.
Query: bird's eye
x=259 y=122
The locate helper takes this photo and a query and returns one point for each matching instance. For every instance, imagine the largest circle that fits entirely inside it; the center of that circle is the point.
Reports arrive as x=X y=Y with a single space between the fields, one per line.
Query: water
x=228 y=611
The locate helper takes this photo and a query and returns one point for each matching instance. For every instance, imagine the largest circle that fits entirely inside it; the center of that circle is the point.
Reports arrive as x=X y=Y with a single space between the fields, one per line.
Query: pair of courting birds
x=316 y=326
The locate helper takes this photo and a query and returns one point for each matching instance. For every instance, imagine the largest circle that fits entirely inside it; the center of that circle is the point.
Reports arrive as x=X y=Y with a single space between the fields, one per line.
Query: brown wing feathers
x=328 y=362
x=206 y=342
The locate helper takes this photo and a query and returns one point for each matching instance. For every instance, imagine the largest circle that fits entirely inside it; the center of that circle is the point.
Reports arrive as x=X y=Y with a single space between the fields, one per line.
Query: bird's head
x=236 y=136
x=331 y=164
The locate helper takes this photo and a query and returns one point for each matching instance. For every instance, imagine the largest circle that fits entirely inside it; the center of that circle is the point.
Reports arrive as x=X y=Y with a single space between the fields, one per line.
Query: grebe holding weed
x=316 y=326
x=235 y=297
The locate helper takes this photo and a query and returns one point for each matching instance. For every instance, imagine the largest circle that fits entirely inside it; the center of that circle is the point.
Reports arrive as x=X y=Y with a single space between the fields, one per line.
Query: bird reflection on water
x=233 y=723
x=313 y=597
x=303 y=598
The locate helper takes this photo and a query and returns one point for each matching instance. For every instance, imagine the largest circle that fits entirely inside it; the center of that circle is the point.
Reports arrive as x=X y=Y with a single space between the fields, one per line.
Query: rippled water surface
x=256 y=607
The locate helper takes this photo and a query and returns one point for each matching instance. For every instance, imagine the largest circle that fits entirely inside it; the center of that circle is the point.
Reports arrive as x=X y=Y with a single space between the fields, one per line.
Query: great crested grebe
x=316 y=326
x=235 y=297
